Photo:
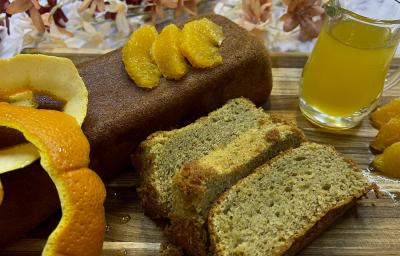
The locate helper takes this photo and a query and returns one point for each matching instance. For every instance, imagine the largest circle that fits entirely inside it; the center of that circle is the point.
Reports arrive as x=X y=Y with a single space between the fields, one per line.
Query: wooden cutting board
x=372 y=227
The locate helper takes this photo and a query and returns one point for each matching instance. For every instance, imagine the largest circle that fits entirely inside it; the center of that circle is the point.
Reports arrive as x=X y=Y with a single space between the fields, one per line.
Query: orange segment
x=383 y=114
x=200 y=42
x=389 y=133
x=64 y=152
x=389 y=161
x=166 y=53
x=137 y=58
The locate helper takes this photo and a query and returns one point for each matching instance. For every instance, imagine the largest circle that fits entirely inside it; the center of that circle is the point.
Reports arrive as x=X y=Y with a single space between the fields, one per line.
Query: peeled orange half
x=64 y=152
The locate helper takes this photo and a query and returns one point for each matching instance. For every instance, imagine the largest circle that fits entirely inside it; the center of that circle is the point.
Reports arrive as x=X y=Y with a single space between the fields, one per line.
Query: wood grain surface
x=372 y=227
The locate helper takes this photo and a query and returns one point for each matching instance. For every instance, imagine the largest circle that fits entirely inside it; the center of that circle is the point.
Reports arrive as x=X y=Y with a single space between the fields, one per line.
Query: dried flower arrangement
x=284 y=25
x=100 y=24
x=107 y=23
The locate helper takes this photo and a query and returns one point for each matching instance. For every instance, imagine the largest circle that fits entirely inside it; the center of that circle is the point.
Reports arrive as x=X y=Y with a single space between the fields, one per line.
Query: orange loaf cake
x=120 y=115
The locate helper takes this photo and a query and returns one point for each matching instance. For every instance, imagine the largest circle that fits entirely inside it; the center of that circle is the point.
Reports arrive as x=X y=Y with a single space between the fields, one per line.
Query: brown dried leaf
x=308 y=29
x=93 y=5
x=36 y=4
x=19 y=6
x=30 y=6
x=290 y=24
x=188 y=6
x=36 y=19
x=301 y=12
x=179 y=6
x=169 y=3
x=256 y=11
x=84 y=5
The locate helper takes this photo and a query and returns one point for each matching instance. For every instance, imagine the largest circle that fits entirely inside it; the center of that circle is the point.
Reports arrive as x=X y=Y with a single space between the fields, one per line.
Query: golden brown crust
x=299 y=134
x=190 y=233
x=321 y=225
x=214 y=248
x=150 y=202
x=142 y=161
x=191 y=180
x=272 y=136
x=279 y=119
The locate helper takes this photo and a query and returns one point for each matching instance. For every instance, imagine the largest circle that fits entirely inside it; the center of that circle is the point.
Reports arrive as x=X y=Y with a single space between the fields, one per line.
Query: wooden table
x=372 y=227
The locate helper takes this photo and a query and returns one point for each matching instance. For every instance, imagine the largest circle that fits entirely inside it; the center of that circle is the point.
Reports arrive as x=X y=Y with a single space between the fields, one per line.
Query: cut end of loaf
x=199 y=183
x=270 y=210
x=161 y=155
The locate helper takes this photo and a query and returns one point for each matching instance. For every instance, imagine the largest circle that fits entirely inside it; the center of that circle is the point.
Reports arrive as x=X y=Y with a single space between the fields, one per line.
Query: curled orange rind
x=64 y=152
x=26 y=74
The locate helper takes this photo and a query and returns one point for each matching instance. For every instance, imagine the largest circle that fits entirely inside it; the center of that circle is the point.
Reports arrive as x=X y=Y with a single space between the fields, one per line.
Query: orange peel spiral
x=25 y=74
x=64 y=152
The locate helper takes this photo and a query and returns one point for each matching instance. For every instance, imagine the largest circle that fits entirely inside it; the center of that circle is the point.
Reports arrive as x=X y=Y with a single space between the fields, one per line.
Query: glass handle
x=392 y=80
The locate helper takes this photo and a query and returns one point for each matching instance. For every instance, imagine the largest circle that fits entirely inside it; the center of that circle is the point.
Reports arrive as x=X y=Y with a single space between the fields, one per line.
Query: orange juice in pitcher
x=345 y=74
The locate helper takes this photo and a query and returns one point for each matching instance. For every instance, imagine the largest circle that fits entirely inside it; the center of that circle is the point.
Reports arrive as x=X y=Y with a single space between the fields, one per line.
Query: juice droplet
x=122 y=252
x=112 y=194
x=396 y=197
x=108 y=228
x=125 y=219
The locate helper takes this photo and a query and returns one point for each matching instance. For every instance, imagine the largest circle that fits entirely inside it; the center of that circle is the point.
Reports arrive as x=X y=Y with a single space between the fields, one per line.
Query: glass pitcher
x=346 y=73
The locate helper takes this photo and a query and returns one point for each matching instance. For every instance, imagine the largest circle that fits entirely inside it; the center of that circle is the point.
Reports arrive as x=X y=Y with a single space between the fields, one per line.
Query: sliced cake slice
x=285 y=203
x=163 y=154
x=200 y=182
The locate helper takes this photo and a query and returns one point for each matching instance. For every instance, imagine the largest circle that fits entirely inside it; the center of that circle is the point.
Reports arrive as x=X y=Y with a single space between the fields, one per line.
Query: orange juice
x=346 y=71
